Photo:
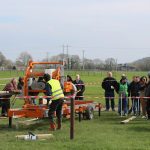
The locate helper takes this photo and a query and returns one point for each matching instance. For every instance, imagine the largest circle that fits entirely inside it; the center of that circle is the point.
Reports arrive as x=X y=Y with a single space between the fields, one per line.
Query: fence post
x=138 y=107
x=121 y=104
x=72 y=120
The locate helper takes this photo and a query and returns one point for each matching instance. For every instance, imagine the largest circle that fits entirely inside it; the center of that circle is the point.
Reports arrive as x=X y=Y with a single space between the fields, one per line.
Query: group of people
x=79 y=85
x=138 y=90
x=53 y=89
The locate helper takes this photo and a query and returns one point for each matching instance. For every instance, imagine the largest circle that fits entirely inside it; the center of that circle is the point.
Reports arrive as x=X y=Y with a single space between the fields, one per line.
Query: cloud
x=123 y=7
x=44 y=25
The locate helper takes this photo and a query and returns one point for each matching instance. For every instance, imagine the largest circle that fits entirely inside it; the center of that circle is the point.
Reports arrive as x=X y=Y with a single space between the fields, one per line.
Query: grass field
x=101 y=133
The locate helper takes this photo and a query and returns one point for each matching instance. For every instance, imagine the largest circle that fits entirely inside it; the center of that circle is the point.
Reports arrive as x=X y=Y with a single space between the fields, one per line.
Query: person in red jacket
x=5 y=101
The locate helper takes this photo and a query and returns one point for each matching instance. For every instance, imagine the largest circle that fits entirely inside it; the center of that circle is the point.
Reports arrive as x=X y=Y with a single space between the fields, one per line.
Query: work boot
x=52 y=126
x=58 y=124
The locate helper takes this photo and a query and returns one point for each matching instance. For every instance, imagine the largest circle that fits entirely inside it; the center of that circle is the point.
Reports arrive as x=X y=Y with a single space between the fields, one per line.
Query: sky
x=101 y=28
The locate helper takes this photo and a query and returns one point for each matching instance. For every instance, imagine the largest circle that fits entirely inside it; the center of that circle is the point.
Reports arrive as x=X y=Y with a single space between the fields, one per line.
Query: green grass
x=105 y=132
x=101 y=133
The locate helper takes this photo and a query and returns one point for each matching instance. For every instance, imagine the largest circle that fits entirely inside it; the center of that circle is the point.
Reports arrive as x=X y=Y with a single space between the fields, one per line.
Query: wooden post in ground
x=72 y=119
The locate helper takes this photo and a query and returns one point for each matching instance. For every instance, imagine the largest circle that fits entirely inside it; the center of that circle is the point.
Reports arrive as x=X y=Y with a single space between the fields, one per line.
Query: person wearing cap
x=128 y=82
x=53 y=89
x=123 y=75
x=80 y=87
x=147 y=95
x=123 y=96
x=109 y=84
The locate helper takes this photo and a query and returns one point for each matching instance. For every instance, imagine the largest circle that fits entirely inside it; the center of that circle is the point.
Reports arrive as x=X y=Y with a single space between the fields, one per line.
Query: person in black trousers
x=5 y=101
x=109 y=84
x=147 y=94
x=134 y=92
x=53 y=89
x=80 y=87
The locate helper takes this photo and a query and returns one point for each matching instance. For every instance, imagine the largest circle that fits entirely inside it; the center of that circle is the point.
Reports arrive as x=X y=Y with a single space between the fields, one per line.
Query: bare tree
x=23 y=59
x=2 y=59
x=75 y=62
x=89 y=64
x=58 y=57
x=8 y=64
x=110 y=63
x=99 y=64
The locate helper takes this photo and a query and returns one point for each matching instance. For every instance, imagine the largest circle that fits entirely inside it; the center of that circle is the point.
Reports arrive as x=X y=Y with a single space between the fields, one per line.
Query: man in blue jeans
x=109 y=84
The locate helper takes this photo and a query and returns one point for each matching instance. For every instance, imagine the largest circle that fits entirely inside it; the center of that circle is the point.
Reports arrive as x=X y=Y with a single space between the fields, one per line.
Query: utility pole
x=47 y=56
x=63 y=48
x=67 y=50
x=116 y=65
x=68 y=61
x=83 y=60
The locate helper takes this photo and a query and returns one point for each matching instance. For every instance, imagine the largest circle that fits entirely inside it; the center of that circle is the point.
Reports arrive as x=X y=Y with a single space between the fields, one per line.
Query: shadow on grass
x=139 y=129
x=110 y=118
x=20 y=127
x=38 y=126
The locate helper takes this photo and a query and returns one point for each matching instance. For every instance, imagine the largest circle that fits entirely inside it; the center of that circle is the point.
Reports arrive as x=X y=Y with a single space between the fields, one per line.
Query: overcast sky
x=102 y=28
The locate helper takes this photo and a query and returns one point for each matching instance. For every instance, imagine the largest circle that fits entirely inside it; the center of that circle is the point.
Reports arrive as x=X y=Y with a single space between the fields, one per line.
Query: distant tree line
x=4 y=62
x=142 y=64
x=75 y=62
x=21 y=61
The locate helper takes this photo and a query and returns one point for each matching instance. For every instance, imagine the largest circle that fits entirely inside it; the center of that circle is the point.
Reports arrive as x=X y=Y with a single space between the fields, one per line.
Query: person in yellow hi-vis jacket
x=53 y=89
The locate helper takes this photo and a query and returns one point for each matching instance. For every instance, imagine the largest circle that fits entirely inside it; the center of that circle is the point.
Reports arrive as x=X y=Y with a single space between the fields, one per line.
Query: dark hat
x=123 y=78
x=20 y=79
x=46 y=77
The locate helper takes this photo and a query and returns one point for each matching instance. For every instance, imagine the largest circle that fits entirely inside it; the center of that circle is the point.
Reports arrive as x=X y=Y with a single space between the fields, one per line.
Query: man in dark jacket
x=80 y=87
x=147 y=94
x=109 y=84
x=134 y=91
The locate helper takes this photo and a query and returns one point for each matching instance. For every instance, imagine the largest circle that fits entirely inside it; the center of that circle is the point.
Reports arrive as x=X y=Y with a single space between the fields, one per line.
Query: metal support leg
x=99 y=109
x=10 y=122
x=80 y=114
